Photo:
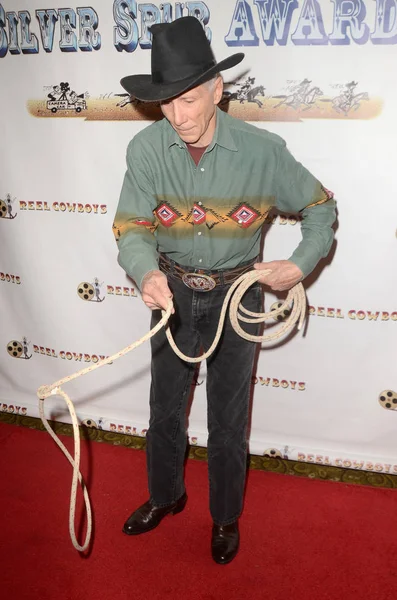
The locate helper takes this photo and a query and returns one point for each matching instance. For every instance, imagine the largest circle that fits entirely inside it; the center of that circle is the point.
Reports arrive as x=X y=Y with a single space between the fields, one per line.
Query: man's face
x=192 y=114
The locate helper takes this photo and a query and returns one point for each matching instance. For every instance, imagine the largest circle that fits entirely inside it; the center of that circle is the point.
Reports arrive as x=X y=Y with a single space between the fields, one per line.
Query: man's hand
x=155 y=290
x=284 y=274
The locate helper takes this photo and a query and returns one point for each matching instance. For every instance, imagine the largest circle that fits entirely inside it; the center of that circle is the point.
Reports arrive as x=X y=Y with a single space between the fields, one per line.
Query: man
x=196 y=193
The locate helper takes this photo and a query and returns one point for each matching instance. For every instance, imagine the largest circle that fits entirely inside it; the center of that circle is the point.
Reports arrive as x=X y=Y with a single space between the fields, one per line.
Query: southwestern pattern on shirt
x=242 y=215
x=166 y=214
x=200 y=214
x=124 y=223
x=326 y=195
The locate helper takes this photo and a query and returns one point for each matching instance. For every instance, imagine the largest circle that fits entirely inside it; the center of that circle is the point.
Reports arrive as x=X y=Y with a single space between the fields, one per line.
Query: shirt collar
x=222 y=136
x=173 y=137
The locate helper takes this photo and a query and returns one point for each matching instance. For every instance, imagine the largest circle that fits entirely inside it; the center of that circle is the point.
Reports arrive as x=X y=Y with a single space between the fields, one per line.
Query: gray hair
x=211 y=82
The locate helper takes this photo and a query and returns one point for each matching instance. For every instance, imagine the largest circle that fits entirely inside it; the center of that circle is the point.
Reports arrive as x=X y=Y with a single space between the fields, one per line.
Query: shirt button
x=199 y=233
x=202 y=169
x=200 y=260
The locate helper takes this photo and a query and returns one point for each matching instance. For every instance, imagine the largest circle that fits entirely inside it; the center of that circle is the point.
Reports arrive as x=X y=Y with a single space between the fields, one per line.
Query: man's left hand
x=284 y=274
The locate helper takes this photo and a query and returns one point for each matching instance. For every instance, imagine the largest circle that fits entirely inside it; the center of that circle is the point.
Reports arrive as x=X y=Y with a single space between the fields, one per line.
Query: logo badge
x=19 y=349
x=388 y=399
x=90 y=292
x=6 y=208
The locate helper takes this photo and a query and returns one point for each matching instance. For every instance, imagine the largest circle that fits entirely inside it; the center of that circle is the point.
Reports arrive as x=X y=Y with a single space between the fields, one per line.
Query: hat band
x=179 y=73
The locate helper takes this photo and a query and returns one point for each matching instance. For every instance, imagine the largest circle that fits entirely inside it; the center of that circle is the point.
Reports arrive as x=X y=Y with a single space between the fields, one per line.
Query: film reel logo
x=272 y=453
x=91 y=292
x=19 y=349
x=6 y=207
x=283 y=314
x=276 y=453
x=388 y=399
x=91 y=424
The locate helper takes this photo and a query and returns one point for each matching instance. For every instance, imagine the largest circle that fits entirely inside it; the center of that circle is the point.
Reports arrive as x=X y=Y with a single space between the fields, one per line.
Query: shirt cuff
x=139 y=268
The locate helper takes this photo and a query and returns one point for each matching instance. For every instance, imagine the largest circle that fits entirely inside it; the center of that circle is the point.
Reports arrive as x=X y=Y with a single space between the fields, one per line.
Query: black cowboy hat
x=181 y=59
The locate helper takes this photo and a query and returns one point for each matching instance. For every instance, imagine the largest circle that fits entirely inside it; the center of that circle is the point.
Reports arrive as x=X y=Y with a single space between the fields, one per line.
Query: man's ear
x=218 y=90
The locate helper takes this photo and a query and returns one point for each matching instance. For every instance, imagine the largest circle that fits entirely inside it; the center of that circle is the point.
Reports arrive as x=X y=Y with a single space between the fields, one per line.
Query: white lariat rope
x=296 y=297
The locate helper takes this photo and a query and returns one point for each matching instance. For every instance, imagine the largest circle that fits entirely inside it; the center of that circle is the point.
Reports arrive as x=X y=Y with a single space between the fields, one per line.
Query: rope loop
x=296 y=297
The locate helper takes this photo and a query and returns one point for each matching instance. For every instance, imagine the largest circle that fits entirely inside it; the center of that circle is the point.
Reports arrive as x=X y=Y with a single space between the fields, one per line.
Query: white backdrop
x=328 y=69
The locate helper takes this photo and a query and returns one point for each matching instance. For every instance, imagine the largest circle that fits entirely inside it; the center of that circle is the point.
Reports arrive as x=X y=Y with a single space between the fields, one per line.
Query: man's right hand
x=155 y=290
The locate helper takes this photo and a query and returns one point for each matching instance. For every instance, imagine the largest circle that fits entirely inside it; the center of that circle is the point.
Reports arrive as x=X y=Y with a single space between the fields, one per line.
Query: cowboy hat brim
x=143 y=88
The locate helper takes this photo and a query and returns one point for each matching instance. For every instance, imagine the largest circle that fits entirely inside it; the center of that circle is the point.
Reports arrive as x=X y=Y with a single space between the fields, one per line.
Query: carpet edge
x=274 y=465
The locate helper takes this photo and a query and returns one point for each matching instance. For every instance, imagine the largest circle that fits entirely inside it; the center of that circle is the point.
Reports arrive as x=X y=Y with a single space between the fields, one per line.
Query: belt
x=203 y=280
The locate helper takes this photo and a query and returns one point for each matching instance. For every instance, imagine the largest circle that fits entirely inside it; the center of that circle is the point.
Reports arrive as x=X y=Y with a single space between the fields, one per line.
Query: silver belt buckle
x=198 y=282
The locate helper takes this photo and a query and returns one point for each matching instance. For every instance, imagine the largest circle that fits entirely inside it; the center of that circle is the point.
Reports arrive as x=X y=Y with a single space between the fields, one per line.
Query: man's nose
x=179 y=116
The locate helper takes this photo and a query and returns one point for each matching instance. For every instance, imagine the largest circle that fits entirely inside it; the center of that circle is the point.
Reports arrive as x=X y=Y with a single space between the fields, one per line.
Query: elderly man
x=195 y=196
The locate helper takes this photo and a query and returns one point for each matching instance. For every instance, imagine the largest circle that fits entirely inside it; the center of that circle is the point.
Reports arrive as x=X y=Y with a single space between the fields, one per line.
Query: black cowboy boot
x=225 y=542
x=148 y=516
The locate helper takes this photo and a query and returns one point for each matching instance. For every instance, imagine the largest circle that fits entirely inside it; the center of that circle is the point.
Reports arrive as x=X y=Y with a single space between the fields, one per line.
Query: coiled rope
x=296 y=296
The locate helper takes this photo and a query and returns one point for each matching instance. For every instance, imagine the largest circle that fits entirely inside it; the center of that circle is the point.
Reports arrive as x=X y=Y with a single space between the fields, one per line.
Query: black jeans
x=229 y=377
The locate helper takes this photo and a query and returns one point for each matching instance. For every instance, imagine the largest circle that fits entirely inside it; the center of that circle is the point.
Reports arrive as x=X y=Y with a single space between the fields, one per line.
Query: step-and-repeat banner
x=320 y=73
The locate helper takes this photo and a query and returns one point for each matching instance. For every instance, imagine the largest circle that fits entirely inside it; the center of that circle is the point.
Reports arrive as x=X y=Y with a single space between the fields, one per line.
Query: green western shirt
x=210 y=216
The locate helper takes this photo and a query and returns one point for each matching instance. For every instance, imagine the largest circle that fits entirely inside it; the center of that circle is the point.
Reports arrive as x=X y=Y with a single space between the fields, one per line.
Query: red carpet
x=301 y=539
